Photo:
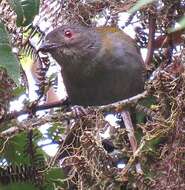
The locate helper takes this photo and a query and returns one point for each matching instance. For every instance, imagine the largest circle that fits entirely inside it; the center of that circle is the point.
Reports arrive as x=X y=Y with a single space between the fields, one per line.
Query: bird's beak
x=47 y=47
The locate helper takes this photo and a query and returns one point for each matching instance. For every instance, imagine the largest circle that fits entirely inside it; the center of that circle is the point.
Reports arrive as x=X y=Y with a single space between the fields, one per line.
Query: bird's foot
x=79 y=111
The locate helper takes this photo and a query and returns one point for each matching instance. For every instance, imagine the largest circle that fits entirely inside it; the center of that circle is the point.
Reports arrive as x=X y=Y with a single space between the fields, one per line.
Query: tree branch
x=27 y=110
x=120 y=105
x=151 y=39
x=34 y=123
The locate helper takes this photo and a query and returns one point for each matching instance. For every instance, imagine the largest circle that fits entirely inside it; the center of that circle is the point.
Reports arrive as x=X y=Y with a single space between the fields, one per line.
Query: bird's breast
x=93 y=83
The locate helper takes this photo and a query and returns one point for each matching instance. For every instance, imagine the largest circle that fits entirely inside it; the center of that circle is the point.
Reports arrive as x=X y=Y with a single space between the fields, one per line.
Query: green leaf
x=147 y=102
x=182 y=22
x=139 y=5
x=55 y=175
x=7 y=58
x=14 y=150
x=180 y=27
x=25 y=10
x=19 y=186
x=152 y=147
x=16 y=6
x=18 y=91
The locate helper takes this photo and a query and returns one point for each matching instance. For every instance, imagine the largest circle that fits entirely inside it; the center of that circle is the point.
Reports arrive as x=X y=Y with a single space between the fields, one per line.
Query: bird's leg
x=130 y=129
x=77 y=111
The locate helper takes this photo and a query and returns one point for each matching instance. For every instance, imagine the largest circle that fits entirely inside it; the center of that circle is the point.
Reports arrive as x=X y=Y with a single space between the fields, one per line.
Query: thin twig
x=130 y=129
x=109 y=107
x=34 y=123
x=131 y=136
x=123 y=103
x=15 y=114
x=132 y=159
x=151 y=38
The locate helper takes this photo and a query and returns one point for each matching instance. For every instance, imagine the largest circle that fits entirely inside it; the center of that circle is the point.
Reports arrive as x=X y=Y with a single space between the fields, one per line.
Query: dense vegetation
x=156 y=161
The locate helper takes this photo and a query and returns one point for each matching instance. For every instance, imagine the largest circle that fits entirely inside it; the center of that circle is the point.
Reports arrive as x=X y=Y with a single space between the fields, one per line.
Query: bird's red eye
x=68 y=34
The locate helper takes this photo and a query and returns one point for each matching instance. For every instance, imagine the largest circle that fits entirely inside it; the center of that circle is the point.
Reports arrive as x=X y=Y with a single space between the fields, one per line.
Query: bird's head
x=69 y=40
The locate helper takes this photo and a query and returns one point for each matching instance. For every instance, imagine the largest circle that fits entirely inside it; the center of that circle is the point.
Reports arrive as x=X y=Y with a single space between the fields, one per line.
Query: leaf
x=7 y=58
x=25 y=10
x=19 y=186
x=19 y=90
x=147 y=102
x=56 y=176
x=15 y=5
x=180 y=27
x=152 y=146
x=182 y=22
x=139 y=5
x=14 y=150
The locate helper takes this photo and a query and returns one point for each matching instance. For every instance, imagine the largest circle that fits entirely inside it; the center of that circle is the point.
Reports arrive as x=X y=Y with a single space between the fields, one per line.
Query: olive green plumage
x=99 y=65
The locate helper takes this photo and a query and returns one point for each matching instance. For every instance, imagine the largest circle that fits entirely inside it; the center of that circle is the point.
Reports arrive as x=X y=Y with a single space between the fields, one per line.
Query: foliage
x=182 y=22
x=8 y=60
x=90 y=160
x=25 y=11
x=139 y=5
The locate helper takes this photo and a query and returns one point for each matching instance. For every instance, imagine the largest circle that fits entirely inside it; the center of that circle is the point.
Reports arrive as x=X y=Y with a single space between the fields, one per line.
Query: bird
x=99 y=65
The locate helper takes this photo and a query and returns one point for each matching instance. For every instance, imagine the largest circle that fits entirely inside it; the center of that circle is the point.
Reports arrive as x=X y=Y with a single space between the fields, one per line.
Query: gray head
x=69 y=40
